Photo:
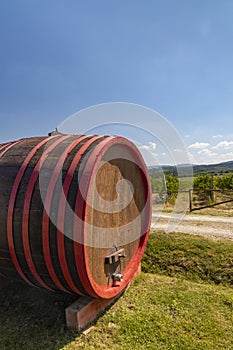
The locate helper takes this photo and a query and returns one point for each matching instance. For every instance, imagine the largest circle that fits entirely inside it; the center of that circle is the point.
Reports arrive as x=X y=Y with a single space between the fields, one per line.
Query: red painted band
x=46 y=212
x=61 y=214
x=11 y=209
x=10 y=146
x=4 y=146
x=79 y=224
x=26 y=209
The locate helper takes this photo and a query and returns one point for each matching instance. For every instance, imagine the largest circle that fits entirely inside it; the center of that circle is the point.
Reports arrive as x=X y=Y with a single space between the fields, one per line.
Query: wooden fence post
x=190 y=200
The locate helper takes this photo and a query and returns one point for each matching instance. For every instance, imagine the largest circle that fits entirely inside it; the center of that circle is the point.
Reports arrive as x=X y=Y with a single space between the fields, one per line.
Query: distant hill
x=220 y=168
x=215 y=169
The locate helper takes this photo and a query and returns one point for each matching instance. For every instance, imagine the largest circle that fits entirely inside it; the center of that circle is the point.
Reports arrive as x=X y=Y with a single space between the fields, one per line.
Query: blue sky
x=175 y=57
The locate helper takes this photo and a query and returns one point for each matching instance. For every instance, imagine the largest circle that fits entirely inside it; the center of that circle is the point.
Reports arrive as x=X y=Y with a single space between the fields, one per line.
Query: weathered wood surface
x=35 y=250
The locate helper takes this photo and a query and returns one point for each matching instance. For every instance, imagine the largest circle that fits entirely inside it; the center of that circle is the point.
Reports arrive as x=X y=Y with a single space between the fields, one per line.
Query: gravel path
x=205 y=225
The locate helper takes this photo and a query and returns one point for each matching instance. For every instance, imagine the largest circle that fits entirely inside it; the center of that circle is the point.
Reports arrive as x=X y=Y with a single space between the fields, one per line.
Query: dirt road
x=205 y=225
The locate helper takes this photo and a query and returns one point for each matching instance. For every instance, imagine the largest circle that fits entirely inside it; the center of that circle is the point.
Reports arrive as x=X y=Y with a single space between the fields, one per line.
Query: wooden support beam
x=86 y=310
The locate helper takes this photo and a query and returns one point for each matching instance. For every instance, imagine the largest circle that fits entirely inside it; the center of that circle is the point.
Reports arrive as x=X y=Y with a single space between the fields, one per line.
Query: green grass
x=191 y=310
x=191 y=257
x=159 y=312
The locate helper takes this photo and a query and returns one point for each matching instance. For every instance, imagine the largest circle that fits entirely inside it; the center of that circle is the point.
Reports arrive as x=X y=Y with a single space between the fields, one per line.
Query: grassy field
x=182 y=300
x=191 y=257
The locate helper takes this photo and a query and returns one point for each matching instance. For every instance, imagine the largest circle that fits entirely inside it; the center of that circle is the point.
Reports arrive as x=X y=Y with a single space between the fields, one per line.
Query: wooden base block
x=85 y=310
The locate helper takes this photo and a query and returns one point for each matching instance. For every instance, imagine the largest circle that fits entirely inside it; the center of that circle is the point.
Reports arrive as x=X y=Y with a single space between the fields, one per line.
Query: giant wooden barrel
x=74 y=213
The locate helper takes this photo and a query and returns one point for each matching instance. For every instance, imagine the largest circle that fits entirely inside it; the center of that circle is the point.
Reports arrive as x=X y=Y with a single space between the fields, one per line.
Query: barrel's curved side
x=5 y=145
x=3 y=150
x=8 y=146
x=11 y=213
x=46 y=219
x=28 y=272
x=26 y=213
x=9 y=172
x=23 y=186
x=61 y=213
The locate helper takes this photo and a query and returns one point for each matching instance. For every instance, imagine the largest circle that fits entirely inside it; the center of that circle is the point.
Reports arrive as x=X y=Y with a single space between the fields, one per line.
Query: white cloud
x=219 y=136
x=224 y=145
x=225 y=157
x=149 y=154
x=199 y=145
x=151 y=146
x=207 y=152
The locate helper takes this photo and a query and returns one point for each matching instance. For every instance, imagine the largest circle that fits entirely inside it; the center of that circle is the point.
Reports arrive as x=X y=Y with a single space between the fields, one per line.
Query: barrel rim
x=108 y=292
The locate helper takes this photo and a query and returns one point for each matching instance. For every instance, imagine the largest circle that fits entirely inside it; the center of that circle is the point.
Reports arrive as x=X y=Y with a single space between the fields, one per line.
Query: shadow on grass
x=32 y=318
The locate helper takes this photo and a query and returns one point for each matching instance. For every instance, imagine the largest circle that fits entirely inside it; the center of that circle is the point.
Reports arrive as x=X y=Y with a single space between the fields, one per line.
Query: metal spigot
x=117 y=277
